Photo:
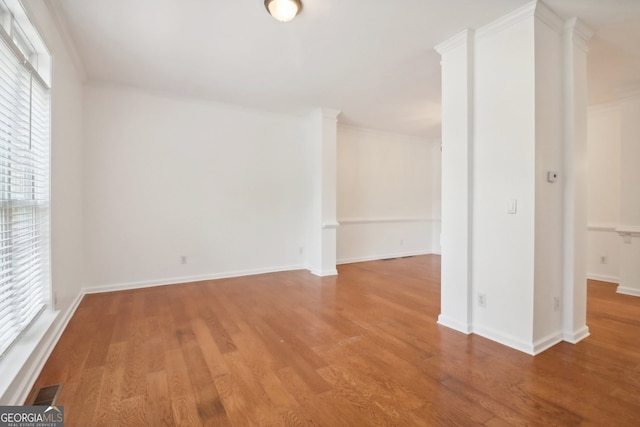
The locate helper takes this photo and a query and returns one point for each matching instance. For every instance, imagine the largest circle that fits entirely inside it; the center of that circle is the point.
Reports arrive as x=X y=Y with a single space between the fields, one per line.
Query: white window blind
x=24 y=193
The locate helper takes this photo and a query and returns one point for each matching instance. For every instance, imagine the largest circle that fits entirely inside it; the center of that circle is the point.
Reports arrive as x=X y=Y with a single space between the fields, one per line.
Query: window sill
x=24 y=359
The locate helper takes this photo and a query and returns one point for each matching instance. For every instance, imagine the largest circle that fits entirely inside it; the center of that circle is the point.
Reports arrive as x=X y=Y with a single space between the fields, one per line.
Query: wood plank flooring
x=360 y=349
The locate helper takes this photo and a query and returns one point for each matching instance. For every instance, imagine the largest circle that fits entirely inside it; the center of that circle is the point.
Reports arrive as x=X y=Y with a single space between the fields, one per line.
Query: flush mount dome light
x=283 y=10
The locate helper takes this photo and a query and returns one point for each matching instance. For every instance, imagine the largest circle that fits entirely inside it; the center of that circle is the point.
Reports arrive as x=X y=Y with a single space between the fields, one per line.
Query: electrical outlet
x=301 y=250
x=183 y=259
x=482 y=300
x=401 y=242
x=556 y=303
x=603 y=259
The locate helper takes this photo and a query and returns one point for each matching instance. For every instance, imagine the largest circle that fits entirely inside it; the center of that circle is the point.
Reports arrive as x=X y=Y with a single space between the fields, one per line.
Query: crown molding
x=60 y=21
x=330 y=114
x=508 y=20
x=579 y=33
x=465 y=37
x=547 y=16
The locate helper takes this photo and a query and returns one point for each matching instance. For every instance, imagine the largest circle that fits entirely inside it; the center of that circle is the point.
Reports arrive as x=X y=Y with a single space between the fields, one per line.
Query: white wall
x=387 y=195
x=504 y=169
x=603 y=209
x=67 y=253
x=224 y=186
x=549 y=140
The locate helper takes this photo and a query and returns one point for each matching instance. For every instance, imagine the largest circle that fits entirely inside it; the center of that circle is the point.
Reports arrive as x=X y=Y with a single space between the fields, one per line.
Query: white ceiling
x=371 y=59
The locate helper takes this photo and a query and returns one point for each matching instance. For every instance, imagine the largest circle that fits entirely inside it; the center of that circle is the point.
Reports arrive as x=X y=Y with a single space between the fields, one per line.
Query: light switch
x=512 y=207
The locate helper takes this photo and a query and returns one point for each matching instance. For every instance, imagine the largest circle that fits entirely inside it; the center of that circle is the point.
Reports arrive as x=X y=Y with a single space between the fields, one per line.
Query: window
x=24 y=178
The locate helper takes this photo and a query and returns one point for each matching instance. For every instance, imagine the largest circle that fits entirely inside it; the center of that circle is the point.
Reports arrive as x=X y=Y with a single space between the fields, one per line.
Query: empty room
x=320 y=212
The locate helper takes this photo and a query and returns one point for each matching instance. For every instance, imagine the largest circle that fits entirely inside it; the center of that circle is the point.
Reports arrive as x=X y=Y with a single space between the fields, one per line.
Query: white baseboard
x=188 y=279
x=451 y=323
x=324 y=273
x=628 y=291
x=547 y=342
x=601 y=278
x=19 y=389
x=505 y=339
x=576 y=336
x=380 y=257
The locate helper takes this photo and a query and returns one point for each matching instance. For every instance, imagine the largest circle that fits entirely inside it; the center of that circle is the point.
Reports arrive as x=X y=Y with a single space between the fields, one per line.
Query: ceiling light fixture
x=283 y=10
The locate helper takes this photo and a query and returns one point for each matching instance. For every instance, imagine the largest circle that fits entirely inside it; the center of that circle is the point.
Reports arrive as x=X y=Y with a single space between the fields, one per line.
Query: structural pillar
x=574 y=295
x=457 y=191
x=323 y=125
x=629 y=228
x=513 y=180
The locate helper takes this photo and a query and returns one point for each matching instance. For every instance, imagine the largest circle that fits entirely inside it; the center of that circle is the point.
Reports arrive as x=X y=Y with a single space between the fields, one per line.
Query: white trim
x=547 y=342
x=579 y=32
x=576 y=336
x=381 y=257
x=324 y=273
x=628 y=229
x=506 y=21
x=330 y=114
x=352 y=221
x=330 y=225
x=602 y=227
x=548 y=17
x=600 y=278
x=450 y=323
x=160 y=94
x=505 y=339
x=628 y=291
x=18 y=390
x=460 y=39
x=187 y=279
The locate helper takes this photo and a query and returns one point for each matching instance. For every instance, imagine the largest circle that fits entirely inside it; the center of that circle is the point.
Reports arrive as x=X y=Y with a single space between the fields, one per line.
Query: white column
x=574 y=297
x=457 y=148
x=322 y=241
x=629 y=228
x=513 y=180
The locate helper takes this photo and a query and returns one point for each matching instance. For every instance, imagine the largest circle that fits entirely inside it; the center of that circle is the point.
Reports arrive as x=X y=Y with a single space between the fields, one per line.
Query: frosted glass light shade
x=283 y=10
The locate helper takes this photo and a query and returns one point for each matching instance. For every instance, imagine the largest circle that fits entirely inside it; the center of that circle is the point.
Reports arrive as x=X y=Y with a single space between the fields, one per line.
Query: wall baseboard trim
x=628 y=291
x=547 y=342
x=601 y=278
x=324 y=273
x=188 y=279
x=381 y=257
x=574 y=337
x=19 y=390
x=451 y=323
x=353 y=221
x=506 y=340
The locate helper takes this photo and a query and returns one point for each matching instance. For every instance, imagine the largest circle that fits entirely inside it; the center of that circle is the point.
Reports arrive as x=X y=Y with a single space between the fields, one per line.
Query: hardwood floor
x=360 y=349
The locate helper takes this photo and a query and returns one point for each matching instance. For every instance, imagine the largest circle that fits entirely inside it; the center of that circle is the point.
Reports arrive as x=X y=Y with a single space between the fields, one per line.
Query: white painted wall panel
x=386 y=194
x=227 y=187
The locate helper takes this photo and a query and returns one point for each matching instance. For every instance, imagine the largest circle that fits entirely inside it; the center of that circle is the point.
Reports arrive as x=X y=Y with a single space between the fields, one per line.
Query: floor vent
x=47 y=396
